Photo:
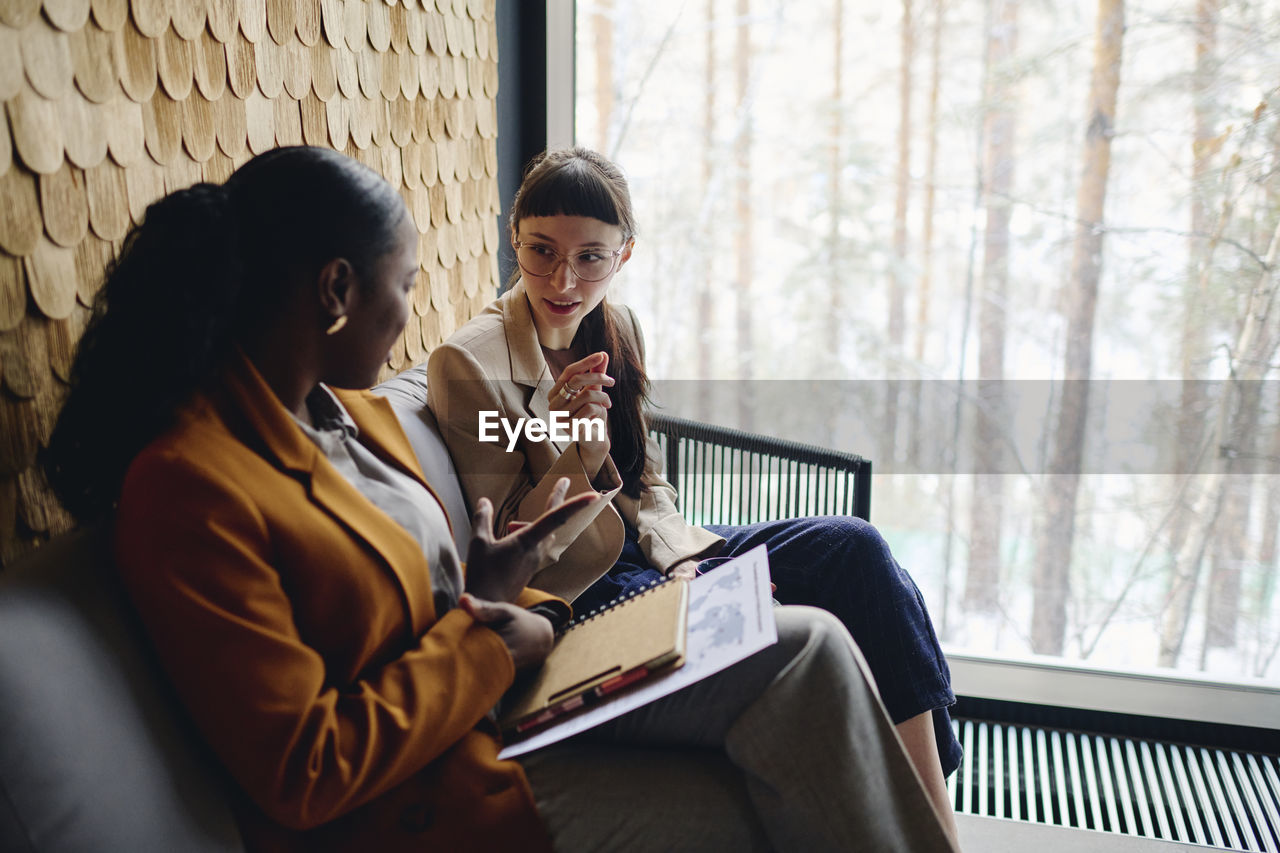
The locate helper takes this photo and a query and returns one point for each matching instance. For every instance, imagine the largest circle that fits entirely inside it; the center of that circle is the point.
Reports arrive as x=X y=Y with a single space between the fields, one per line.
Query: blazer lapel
x=371 y=413
x=295 y=452
x=374 y=417
x=528 y=367
x=397 y=548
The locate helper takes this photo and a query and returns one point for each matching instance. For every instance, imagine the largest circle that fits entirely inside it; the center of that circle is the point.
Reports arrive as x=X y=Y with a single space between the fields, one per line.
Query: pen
x=590 y=697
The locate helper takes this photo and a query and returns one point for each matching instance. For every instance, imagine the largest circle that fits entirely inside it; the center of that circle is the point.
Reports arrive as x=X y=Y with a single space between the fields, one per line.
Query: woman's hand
x=688 y=570
x=685 y=570
x=528 y=636
x=497 y=569
x=584 y=382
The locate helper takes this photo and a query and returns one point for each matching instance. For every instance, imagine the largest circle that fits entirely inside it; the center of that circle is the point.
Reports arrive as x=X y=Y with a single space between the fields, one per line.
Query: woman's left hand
x=497 y=569
x=688 y=570
x=685 y=569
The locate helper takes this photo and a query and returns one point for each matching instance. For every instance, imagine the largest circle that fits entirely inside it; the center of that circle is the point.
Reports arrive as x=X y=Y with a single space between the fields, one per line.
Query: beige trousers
x=789 y=750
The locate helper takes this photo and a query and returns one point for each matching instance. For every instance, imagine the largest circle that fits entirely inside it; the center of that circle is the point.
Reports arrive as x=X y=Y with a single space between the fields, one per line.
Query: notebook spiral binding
x=616 y=602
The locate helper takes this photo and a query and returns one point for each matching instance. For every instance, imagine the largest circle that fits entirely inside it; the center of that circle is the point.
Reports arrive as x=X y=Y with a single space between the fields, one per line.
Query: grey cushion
x=407 y=394
x=94 y=752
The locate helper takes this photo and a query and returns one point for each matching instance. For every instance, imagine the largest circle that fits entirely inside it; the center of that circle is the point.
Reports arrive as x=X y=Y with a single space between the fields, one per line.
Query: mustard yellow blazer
x=296 y=622
x=494 y=363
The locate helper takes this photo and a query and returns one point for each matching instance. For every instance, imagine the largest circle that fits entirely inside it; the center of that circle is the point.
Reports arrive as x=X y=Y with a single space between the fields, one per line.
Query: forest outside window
x=1023 y=256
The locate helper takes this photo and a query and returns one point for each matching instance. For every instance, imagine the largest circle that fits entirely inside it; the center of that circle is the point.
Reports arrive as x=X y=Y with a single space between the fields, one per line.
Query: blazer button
x=417 y=818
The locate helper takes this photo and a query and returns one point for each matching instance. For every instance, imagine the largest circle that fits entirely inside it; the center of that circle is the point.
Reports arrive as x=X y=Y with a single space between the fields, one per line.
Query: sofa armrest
x=95 y=751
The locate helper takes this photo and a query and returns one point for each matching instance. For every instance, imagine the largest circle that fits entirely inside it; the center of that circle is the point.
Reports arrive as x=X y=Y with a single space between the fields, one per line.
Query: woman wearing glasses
x=552 y=344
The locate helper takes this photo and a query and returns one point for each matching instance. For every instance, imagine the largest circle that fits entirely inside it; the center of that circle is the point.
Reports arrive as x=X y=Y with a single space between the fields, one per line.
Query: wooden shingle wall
x=109 y=104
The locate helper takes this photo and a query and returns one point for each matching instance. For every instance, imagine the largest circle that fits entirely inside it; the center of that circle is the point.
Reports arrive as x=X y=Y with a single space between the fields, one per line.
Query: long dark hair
x=579 y=182
x=206 y=266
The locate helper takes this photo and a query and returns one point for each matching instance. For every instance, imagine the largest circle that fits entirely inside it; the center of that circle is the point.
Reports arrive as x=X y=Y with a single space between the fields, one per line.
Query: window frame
x=1038 y=681
x=1145 y=693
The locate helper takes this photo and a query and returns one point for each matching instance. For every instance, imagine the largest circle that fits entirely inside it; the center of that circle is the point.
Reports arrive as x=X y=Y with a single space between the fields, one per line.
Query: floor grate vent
x=1177 y=792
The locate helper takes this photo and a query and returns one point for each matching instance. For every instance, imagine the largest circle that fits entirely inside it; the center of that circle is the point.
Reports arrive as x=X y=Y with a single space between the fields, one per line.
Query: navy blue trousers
x=841 y=564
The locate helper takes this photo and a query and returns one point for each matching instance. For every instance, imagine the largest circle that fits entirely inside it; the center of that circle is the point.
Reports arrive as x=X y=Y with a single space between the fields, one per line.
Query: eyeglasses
x=541 y=260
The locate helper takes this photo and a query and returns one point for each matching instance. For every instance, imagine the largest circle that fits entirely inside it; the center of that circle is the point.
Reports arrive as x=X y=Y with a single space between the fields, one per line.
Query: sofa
x=95 y=753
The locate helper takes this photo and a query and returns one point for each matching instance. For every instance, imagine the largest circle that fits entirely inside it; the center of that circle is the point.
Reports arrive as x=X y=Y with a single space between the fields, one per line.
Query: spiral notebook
x=602 y=653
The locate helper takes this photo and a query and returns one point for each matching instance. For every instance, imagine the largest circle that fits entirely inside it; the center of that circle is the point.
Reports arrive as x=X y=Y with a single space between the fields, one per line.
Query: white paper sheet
x=730 y=618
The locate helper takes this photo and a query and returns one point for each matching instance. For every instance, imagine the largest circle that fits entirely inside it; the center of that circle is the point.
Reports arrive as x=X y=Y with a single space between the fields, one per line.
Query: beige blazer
x=494 y=363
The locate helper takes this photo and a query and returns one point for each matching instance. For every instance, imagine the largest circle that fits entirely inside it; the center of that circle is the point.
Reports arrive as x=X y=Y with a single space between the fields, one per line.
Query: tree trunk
x=897 y=275
x=603 y=26
x=706 y=302
x=960 y=359
x=1230 y=533
x=1236 y=419
x=1195 y=344
x=1267 y=560
x=925 y=295
x=1057 y=533
x=1267 y=546
x=982 y=580
x=835 y=319
x=744 y=250
x=1222 y=604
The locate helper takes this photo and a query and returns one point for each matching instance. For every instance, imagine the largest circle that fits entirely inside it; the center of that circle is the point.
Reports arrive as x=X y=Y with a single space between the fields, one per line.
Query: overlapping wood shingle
x=109 y=104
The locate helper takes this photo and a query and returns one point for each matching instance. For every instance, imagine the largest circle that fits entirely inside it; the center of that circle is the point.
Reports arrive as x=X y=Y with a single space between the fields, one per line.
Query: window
x=1020 y=255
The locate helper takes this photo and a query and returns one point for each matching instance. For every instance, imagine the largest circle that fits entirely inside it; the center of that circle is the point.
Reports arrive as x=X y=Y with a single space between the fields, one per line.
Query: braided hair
x=207 y=265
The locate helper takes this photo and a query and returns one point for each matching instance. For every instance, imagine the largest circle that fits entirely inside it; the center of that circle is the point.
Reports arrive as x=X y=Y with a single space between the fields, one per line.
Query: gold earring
x=337 y=326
